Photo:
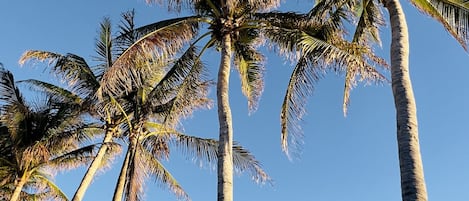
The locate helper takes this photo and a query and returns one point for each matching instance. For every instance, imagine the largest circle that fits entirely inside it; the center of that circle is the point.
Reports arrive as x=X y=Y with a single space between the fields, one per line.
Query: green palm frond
x=452 y=14
x=250 y=65
x=104 y=48
x=159 y=41
x=370 y=19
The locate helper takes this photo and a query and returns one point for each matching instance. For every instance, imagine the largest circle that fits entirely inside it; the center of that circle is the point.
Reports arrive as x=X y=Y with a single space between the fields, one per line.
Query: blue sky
x=343 y=158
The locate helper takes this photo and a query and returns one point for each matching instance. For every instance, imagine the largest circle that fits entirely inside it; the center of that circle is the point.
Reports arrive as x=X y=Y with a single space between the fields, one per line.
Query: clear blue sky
x=352 y=158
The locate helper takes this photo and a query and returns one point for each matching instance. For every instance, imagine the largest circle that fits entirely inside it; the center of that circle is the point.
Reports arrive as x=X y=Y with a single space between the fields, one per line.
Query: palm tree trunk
x=97 y=161
x=19 y=187
x=411 y=168
x=119 y=191
x=225 y=156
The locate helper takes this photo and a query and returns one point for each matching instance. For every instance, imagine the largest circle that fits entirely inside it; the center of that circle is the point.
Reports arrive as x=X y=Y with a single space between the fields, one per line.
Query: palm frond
x=73 y=159
x=104 y=48
x=183 y=89
x=300 y=86
x=159 y=41
x=370 y=19
x=162 y=176
x=453 y=15
x=250 y=65
x=73 y=68
x=53 y=91
x=52 y=192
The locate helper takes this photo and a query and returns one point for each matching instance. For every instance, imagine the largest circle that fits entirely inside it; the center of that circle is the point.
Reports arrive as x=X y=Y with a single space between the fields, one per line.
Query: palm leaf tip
x=245 y=161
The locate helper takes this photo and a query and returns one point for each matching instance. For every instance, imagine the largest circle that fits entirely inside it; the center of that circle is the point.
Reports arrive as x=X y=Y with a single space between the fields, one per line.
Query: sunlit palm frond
x=104 y=48
x=300 y=86
x=183 y=89
x=162 y=176
x=453 y=15
x=50 y=191
x=73 y=68
x=250 y=65
x=159 y=41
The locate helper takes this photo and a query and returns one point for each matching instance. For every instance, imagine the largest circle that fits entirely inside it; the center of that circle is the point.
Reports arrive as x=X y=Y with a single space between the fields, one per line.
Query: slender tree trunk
x=225 y=155
x=19 y=187
x=412 y=179
x=97 y=161
x=119 y=191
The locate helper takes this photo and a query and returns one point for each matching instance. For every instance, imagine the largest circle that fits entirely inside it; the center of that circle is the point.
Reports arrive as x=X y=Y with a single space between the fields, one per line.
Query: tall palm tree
x=235 y=28
x=454 y=16
x=36 y=141
x=156 y=103
x=229 y=32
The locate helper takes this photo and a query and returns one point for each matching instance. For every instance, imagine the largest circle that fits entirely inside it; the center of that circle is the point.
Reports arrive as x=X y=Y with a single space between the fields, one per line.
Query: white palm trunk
x=411 y=168
x=97 y=161
x=19 y=187
x=225 y=155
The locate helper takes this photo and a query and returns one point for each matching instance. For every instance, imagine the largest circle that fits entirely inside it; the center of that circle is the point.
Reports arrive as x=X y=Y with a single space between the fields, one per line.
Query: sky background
x=343 y=158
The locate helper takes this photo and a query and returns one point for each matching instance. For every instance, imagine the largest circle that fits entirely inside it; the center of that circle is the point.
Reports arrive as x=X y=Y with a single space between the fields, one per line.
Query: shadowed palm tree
x=454 y=16
x=36 y=141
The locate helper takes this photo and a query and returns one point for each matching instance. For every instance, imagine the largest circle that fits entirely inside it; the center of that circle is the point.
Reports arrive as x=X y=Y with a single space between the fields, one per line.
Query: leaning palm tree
x=38 y=140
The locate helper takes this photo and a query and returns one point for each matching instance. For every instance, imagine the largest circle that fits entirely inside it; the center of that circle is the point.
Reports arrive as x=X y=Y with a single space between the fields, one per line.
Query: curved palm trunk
x=97 y=161
x=411 y=168
x=19 y=187
x=225 y=156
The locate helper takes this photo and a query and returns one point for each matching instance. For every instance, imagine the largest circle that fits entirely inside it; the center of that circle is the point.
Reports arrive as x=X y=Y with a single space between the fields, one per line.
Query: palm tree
x=454 y=17
x=234 y=32
x=157 y=101
x=84 y=82
x=36 y=141
x=235 y=29
x=172 y=97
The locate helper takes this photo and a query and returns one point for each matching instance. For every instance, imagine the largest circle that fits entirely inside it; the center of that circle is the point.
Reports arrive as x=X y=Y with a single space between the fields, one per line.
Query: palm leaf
x=453 y=15
x=249 y=64
x=160 y=42
x=73 y=68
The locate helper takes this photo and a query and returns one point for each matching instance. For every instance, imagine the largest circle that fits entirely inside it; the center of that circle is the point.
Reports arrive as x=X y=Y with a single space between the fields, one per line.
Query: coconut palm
x=38 y=140
x=167 y=100
x=235 y=28
x=231 y=30
x=84 y=82
x=453 y=15
x=156 y=103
